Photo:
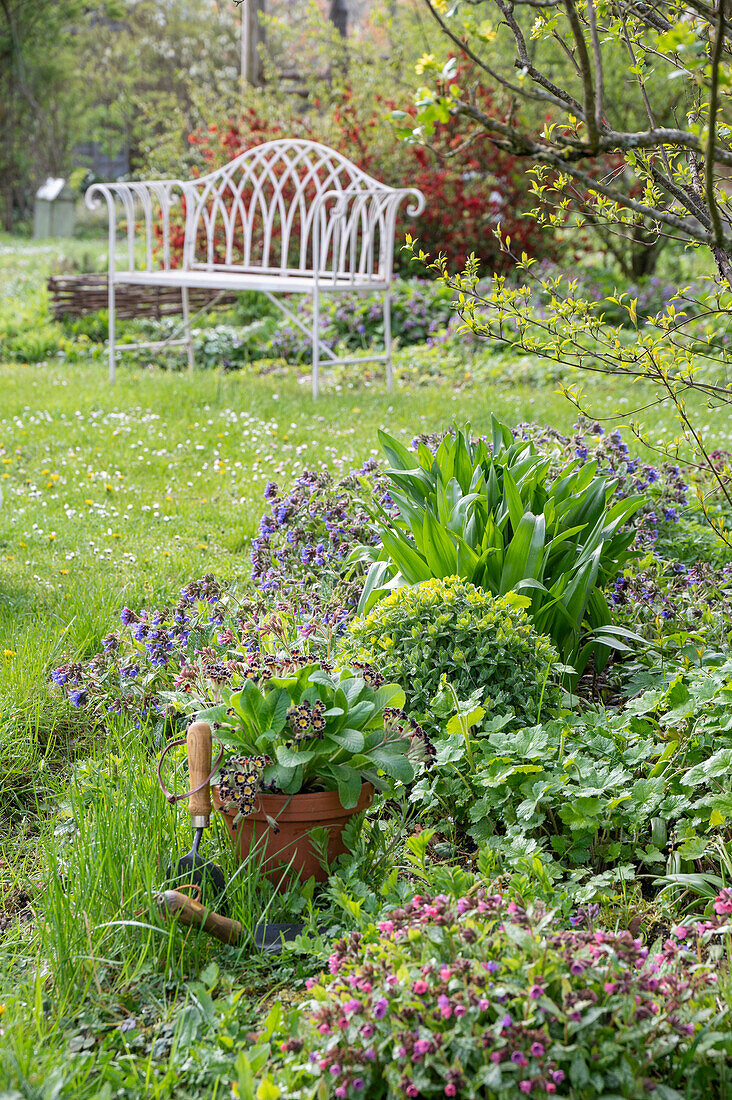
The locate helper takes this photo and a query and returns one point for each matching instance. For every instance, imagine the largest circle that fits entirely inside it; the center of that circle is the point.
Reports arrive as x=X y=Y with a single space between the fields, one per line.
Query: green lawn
x=117 y=496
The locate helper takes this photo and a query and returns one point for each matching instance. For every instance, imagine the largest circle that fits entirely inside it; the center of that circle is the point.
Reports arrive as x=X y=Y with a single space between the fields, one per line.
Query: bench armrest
x=155 y=199
x=353 y=230
x=389 y=197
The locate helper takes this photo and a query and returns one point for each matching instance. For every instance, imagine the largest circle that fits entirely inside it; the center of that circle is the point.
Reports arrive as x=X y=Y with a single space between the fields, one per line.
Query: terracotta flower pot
x=295 y=815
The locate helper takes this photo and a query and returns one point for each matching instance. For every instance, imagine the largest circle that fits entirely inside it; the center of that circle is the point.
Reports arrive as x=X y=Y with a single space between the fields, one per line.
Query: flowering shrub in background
x=481 y=645
x=478 y=997
x=482 y=186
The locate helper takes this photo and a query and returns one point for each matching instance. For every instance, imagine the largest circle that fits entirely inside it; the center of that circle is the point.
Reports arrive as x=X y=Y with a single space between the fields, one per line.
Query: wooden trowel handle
x=198 y=744
x=192 y=913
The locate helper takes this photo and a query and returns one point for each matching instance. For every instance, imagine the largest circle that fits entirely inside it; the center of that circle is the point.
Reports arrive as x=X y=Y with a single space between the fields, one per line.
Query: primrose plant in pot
x=308 y=751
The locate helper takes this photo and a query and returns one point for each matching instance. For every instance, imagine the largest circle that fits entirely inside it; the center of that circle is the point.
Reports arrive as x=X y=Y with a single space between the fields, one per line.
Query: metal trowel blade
x=269 y=937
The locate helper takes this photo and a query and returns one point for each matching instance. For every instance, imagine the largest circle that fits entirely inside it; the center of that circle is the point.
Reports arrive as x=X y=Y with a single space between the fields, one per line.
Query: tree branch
x=588 y=88
x=713 y=108
x=522 y=146
x=498 y=77
x=597 y=55
x=562 y=98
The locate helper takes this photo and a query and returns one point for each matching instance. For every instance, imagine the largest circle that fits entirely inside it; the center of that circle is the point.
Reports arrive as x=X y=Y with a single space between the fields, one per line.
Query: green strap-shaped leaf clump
x=498 y=516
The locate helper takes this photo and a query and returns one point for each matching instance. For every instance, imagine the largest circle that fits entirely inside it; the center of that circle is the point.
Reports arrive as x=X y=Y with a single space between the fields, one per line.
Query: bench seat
x=245 y=280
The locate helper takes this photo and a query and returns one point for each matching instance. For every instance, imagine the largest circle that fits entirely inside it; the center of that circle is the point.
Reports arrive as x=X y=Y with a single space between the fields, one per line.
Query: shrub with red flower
x=468 y=188
x=478 y=997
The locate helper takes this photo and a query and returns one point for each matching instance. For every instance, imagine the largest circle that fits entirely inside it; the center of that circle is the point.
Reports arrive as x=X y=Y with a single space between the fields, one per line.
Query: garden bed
x=573 y=808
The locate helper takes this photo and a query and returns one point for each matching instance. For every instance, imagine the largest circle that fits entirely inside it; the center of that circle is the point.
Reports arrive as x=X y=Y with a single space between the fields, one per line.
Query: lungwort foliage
x=497 y=514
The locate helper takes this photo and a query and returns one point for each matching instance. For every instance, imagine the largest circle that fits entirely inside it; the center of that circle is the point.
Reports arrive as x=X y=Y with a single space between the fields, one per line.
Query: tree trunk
x=252 y=36
x=338 y=15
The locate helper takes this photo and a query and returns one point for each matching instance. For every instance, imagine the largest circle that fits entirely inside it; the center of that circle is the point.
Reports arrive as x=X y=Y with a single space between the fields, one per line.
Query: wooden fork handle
x=190 y=912
x=198 y=744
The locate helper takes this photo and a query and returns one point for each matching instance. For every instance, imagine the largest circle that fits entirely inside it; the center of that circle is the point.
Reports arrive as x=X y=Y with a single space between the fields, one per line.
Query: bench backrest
x=272 y=209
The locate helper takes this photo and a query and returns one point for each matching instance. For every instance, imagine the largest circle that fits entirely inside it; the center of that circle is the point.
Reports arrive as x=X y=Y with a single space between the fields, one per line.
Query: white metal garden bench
x=286 y=217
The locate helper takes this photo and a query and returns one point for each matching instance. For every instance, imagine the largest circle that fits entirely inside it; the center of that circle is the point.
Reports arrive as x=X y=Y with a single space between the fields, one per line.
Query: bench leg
x=187 y=326
x=111 y=327
x=316 y=343
x=387 y=341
